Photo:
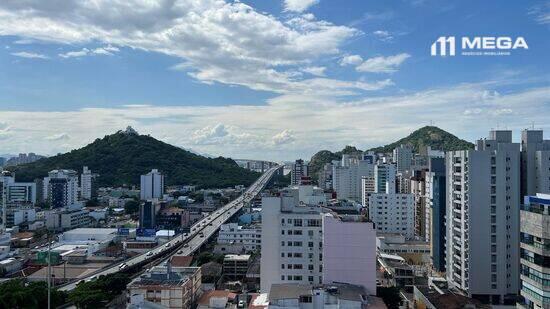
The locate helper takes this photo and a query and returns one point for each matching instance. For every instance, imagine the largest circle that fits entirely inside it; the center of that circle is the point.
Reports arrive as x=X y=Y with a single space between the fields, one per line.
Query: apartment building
x=436 y=200
x=392 y=213
x=347 y=175
x=87 y=190
x=293 y=230
x=535 y=163
x=300 y=231
x=299 y=170
x=403 y=157
x=167 y=286
x=535 y=252
x=152 y=185
x=483 y=196
x=250 y=238
x=60 y=188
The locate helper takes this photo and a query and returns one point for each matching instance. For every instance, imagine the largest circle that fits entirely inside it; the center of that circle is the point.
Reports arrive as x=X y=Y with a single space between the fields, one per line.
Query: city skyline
x=256 y=80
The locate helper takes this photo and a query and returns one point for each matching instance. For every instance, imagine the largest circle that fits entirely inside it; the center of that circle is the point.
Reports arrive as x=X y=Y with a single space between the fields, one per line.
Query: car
x=202 y=235
x=186 y=246
x=122 y=266
x=180 y=251
x=185 y=235
x=168 y=245
x=241 y=304
x=149 y=253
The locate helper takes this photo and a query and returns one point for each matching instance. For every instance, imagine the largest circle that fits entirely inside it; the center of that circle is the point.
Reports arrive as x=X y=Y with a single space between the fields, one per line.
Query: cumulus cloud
x=383 y=64
x=29 y=55
x=299 y=5
x=311 y=123
x=283 y=137
x=58 y=137
x=351 y=60
x=217 y=41
x=317 y=71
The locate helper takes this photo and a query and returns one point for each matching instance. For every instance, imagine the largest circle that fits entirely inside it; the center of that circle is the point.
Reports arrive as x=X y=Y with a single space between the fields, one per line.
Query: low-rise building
x=438 y=296
x=236 y=266
x=336 y=295
x=232 y=233
x=170 y=287
x=415 y=252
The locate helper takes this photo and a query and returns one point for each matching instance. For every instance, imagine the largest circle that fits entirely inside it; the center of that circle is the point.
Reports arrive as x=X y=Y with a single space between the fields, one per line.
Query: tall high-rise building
x=535 y=252
x=87 y=187
x=403 y=157
x=299 y=170
x=392 y=213
x=60 y=188
x=152 y=185
x=384 y=178
x=436 y=195
x=483 y=197
x=535 y=163
x=347 y=176
x=311 y=245
x=147 y=215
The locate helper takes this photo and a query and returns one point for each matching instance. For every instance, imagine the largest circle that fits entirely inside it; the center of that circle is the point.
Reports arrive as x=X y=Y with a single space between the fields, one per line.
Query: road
x=186 y=244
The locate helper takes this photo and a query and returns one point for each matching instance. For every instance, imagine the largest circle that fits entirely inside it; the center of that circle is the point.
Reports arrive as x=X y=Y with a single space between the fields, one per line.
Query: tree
x=131 y=207
x=390 y=296
x=17 y=294
x=97 y=293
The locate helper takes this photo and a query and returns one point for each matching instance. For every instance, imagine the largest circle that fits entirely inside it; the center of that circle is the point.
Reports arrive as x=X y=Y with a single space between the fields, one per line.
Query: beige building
x=170 y=287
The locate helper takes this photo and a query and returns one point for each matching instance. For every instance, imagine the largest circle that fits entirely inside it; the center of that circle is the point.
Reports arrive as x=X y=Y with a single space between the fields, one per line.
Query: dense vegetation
x=121 y=158
x=17 y=294
x=98 y=293
x=426 y=136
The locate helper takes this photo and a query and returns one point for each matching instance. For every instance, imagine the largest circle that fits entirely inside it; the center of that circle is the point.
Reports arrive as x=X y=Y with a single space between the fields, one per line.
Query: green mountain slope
x=426 y=136
x=122 y=157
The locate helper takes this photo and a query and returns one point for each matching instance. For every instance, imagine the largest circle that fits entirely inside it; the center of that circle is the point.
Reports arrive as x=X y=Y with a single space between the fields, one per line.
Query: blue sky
x=264 y=79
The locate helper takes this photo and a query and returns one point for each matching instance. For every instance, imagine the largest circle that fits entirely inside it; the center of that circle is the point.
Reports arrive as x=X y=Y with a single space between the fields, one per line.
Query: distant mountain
x=122 y=157
x=426 y=136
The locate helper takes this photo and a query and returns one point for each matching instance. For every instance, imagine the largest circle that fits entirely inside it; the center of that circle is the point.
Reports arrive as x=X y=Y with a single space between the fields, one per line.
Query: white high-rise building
x=403 y=157
x=152 y=185
x=86 y=183
x=296 y=242
x=299 y=170
x=535 y=163
x=483 y=199
x=347 y=176
x=392 y=213
x=61 y=188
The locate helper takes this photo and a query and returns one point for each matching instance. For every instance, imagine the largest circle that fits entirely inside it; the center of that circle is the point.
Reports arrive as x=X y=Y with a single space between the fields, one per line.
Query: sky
x=264 y=79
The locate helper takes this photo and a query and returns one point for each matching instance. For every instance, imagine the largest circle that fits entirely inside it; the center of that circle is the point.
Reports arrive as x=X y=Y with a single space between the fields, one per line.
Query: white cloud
x=58 y=137
x=218 y=42
x=107 y=50
x=299 y=5
x=29 y=55
x=541 y=13
x=311 y=122
x=383 y=64
x=351 y=60
x=317 y=71
x=283 y=137
x=383 y=35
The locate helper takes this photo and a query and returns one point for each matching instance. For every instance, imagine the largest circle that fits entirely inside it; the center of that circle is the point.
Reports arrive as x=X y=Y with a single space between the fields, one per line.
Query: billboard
x=124 y=231
x=146 y=232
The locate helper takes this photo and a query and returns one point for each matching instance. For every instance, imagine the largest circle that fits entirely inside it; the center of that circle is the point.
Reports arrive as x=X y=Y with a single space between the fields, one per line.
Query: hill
x=425 y=136
x=122 y=157
x=429 y=136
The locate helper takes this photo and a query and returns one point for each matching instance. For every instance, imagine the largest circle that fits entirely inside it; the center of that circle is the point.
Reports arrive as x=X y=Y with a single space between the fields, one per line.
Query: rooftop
x=205 y=298
x=91 y=231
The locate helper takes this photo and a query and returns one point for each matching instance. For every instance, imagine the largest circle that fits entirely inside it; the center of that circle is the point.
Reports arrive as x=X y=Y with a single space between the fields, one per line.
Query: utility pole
x=49 y=271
